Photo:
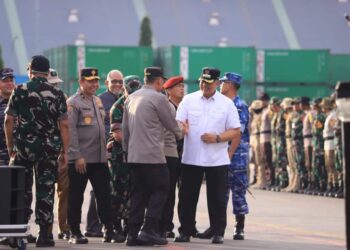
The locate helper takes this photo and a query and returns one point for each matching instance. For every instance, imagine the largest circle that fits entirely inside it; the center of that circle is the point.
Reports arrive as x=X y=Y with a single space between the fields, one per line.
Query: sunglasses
x=115 y=81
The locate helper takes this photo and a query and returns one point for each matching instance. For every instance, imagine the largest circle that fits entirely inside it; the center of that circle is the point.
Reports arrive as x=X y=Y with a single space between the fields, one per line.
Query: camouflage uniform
x=281 y=166
x=339 y=188
x=298 y=149
x=238 y=180
x=120 y=177
x=4 y=156
x=318 y=163
x=308 y=146
x=38 y=108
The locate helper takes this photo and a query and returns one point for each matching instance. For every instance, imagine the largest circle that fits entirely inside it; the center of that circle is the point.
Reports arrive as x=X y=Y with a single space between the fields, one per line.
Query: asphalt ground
x=276 y=220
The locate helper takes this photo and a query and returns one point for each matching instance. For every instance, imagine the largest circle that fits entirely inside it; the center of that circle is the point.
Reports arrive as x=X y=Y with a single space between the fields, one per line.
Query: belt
x=307 y=136
x=258 y=133
x=266 y=132
x=288 y=136
x=329 y=138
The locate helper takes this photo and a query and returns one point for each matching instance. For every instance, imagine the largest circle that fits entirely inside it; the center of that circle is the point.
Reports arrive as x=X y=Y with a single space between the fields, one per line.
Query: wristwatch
x=218 y=139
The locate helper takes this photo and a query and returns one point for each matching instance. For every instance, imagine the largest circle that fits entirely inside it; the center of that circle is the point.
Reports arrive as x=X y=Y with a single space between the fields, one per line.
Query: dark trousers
x=191 y=180
x=166 y=224
x=267 y=160
x=99 y=177
x=93 y=224
x=149 y=191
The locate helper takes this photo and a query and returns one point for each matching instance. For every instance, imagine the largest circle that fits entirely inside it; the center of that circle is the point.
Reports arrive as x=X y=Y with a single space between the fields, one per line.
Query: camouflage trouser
x=45 y=178
x=339 y=163
x=308 y=162
x=281 y=166
x=299 y=157
x=120 y=187
x=318 y=168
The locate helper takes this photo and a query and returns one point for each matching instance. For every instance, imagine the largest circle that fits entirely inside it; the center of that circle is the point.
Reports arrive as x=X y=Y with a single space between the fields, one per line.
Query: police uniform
x=38 y=109
x=87 y=140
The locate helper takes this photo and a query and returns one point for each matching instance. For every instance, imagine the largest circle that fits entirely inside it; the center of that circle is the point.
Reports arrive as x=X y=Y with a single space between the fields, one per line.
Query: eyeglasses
x=115 y=81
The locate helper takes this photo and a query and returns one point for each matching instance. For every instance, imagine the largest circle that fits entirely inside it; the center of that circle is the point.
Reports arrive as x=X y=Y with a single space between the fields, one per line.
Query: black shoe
x=182 y=238
x=78 y=238
x=31 y=238
x=151 y=238
x=4 y=241
x=113 y=237
x=217 y=239
x=64 y=235
x=43 y=241
x=93 y=234
x=239 y=235
x=207 y=234
x=170 y=234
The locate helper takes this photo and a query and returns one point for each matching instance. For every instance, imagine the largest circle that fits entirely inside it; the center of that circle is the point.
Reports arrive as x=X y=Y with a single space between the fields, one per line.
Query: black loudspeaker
x=12 y=205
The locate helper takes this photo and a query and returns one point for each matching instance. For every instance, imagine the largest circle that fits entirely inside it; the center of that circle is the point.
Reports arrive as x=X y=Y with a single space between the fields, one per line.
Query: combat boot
x=45 y=238
x=239 y=228
x=340 y=193
x=118 y=230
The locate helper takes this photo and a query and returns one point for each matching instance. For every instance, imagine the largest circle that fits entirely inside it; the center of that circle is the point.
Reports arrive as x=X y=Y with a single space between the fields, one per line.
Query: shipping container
x=339 y=68
x=292 y=66
x=67 y=60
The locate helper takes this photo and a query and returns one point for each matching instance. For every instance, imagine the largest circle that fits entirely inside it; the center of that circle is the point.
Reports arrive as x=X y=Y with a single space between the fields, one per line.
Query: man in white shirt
x=209 y=121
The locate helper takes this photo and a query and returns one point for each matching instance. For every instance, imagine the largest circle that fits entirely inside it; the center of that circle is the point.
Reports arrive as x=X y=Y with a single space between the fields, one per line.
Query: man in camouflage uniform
x=318 y=164
x=327 y=105
x=287 y=106
x=275 y=108
x=299 y=181
x=307 y=139
x=7 y=85
x=256 y=110
x=41 y=114
x=120 y=177
x=339 y=188
x=282 y=161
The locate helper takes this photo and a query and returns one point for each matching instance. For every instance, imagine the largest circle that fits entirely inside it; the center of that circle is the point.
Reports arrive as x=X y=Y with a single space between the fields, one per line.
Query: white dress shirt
x=214 y=115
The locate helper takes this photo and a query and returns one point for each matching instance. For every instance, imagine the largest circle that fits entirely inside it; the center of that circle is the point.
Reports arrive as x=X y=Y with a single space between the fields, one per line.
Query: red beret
x=172 y=81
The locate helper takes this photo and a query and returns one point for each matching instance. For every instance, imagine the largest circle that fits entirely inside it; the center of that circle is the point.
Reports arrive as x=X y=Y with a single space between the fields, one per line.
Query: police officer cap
x=275 y=100
x=173 y=81
x=209 y=74
x=89 y=74
x=232 y=77
x=6 y=73
x=132 y=83
x=154 y=72
x=305 y=100
x=39 y=64
x=316 y=101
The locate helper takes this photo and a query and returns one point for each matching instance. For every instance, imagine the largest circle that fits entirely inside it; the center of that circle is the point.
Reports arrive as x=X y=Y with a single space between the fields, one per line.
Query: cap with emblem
x=232 y=77
x=89 y=74
x=173 y=81
x=39 y=64
x=132 y=83
x=209 y=75
x=153 y=72
x=53 y=77
x=6 y=73
x=275 y=100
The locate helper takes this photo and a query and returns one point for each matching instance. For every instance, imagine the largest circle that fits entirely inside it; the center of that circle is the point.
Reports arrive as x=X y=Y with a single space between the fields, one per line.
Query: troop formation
x=296 y=144
x=140 y=139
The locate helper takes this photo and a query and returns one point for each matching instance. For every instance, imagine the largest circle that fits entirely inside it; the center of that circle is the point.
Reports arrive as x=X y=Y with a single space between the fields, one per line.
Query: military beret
x=172 y=81
x=89 y=74
x=132 y=83
x=39 y=64
x=264 y=97
x=305 y=100
x=275 y=100
x=6 y=73
x=232 y=77
x=209 y=74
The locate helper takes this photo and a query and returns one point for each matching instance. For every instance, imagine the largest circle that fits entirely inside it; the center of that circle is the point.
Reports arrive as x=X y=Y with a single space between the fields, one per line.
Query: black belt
x=256 y=133
x=266 y=132
x=307 y=136
x=329 y=138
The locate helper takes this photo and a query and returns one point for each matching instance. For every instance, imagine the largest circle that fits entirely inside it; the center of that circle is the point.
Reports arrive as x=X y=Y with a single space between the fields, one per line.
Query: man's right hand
x=80 y=165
